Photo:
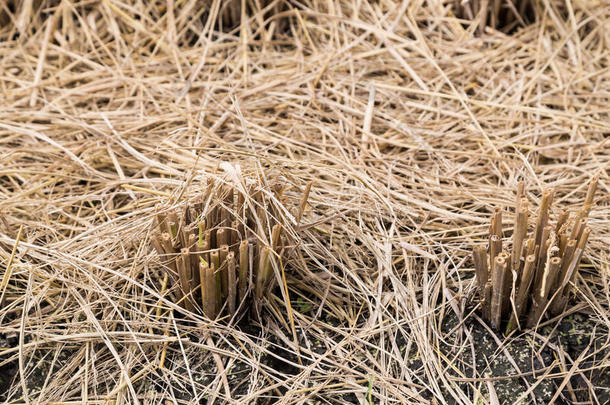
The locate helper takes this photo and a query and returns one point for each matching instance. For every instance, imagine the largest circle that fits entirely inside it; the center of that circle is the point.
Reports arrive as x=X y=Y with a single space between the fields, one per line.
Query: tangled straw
x=538 y=273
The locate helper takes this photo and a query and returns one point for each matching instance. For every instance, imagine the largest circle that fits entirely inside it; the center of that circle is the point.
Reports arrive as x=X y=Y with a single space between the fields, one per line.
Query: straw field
x=278 y=201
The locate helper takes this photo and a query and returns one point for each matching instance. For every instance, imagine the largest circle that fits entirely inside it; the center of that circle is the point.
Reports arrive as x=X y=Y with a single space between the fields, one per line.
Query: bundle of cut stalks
x=224 y=247
x=519 y=283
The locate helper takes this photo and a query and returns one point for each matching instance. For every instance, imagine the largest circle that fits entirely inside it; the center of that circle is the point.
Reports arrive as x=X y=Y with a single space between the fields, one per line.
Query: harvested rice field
x=304 y=202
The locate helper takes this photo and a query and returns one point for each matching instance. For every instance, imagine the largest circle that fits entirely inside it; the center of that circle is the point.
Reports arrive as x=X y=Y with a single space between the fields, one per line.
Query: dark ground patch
x=7 y=370
x=525 y=362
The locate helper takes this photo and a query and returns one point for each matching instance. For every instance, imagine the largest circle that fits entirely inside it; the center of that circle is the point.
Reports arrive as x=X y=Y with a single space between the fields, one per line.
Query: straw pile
x=410 y=125
x=538 y=271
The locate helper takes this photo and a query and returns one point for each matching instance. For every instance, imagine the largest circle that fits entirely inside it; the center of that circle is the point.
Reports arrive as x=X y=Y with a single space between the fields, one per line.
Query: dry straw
x=535 y=274
x=132 y=95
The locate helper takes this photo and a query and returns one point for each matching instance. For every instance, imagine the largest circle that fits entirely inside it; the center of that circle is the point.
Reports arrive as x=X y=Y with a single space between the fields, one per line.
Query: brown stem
x=244 y=259
x=498 y=278
x=523 y=291
x=263 y=265
x=543 y=215
x=519 y=234
x=480 y=265
x=231 y=294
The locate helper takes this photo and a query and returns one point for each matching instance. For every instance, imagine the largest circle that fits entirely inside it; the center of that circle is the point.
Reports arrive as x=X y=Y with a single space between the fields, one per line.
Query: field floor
x=410 y=126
